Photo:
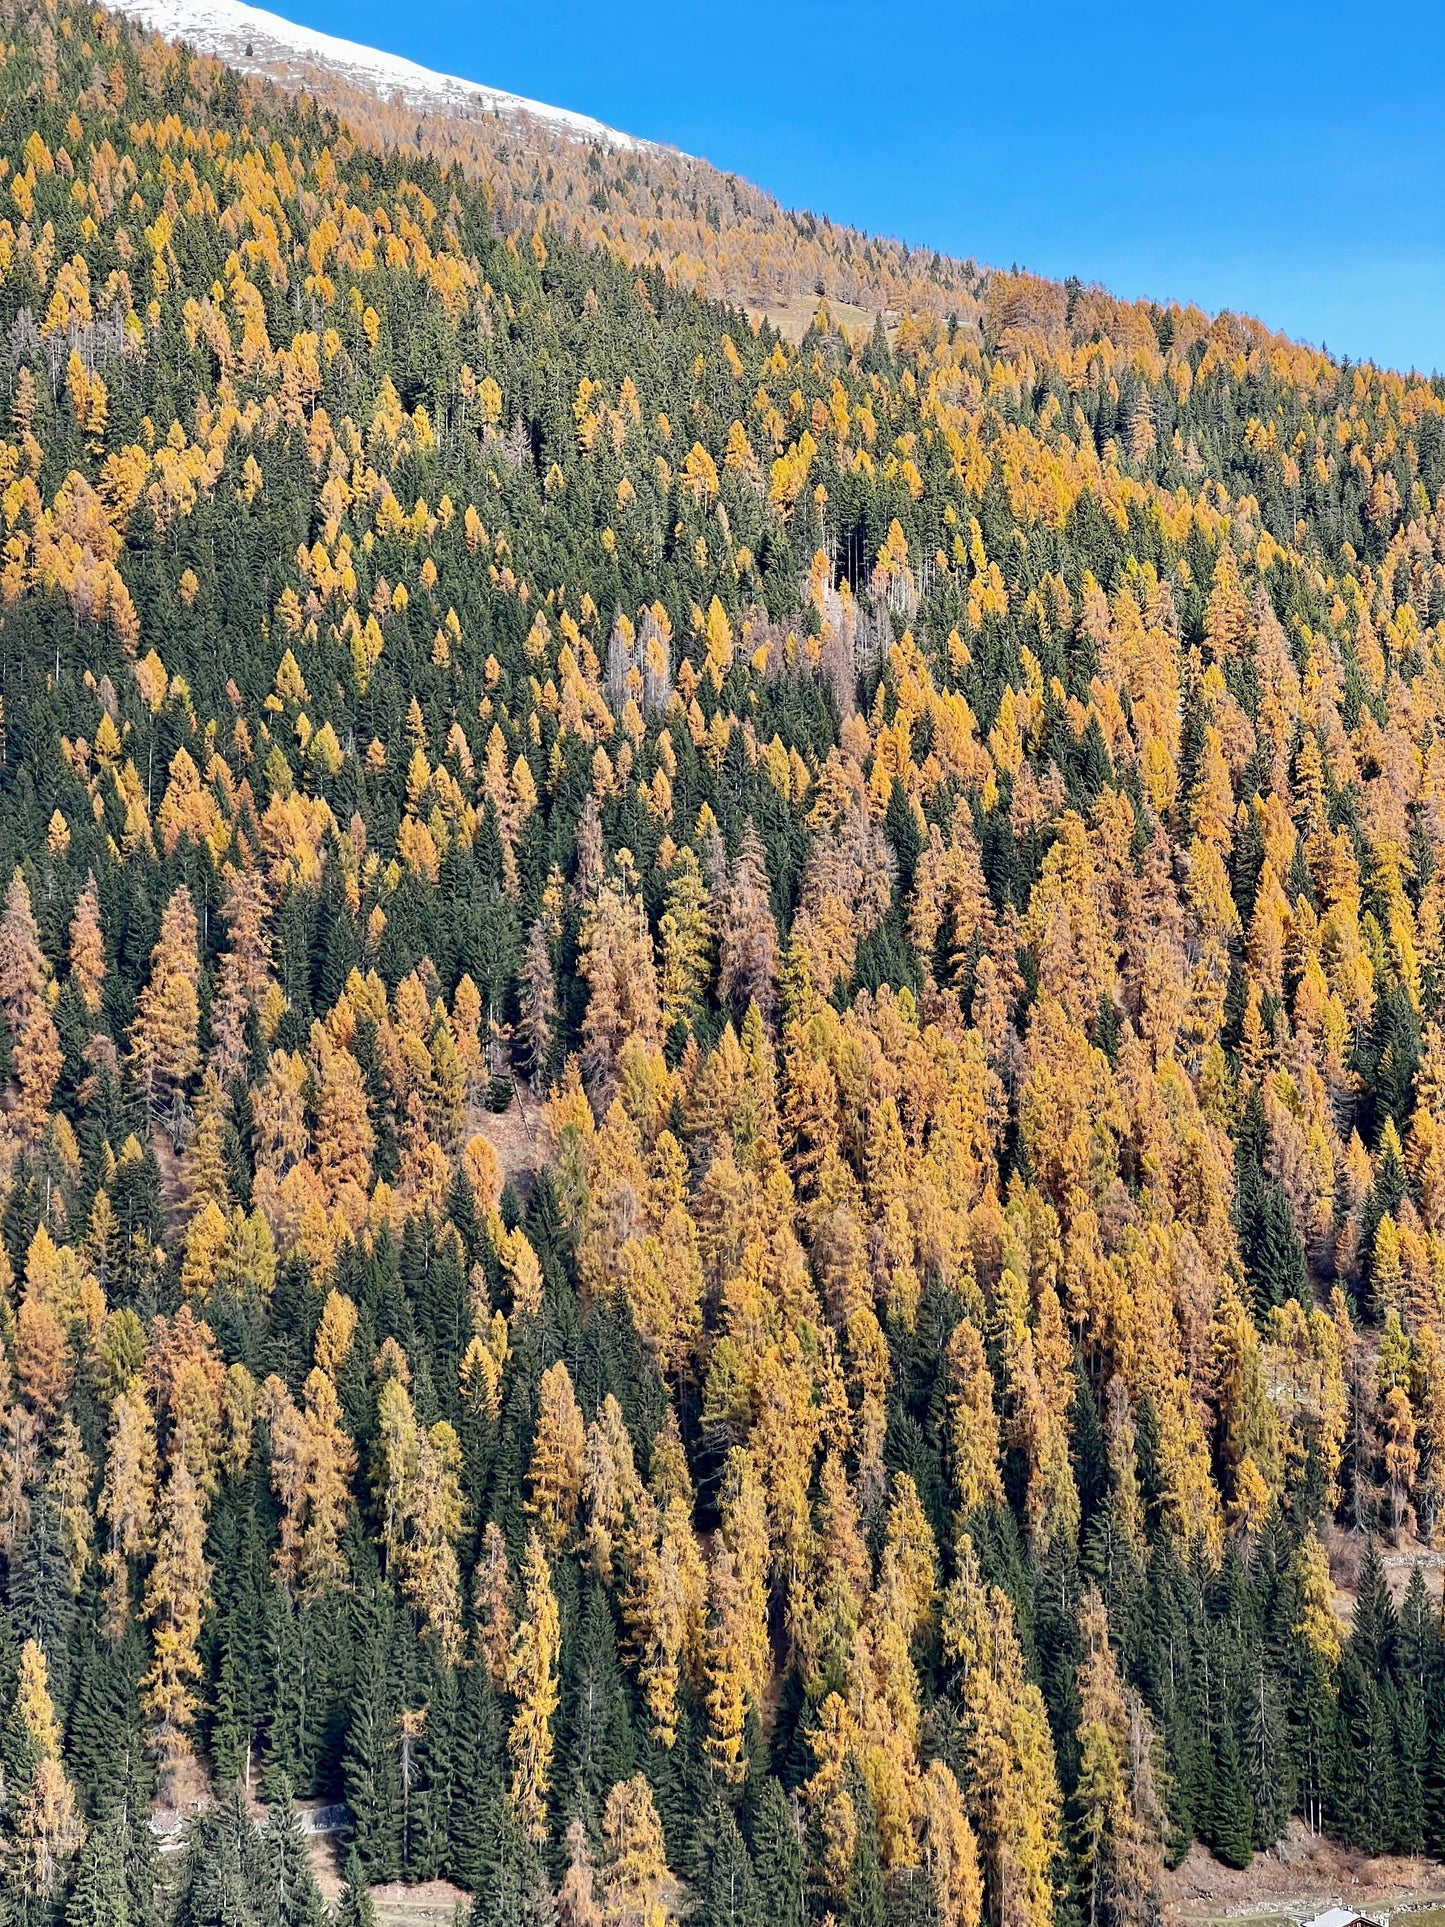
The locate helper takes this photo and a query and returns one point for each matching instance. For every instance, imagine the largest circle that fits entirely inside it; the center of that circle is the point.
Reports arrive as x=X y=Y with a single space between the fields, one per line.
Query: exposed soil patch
x=794 y=317
x=168 y=1163
x=325 y=1855
x=1399 y=1559
x=1296 y=1880
x=430 y=1903
x=434 y=1903
x=516 y=1135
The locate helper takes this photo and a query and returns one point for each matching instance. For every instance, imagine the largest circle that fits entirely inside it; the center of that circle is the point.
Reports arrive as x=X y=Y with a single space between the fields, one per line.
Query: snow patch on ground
x=255 y=41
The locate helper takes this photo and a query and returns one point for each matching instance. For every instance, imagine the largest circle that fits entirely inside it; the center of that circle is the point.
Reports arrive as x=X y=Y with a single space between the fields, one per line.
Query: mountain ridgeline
x=542 y=167
x=722 y=1169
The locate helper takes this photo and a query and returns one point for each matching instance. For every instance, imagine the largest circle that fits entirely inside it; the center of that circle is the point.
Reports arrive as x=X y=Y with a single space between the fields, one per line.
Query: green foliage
x=944 y=817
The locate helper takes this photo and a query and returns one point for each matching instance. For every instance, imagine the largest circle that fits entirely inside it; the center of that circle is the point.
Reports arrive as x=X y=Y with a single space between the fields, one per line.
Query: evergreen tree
x=1373 y=1630
x=1366 y=1805
x=596 y=1745
x=355 y=1906
x=222 y=1874
x=105 y=1742
x=866 y=1900
x=729 y=1888
x=371 y=1767
x=1231 y=1822
x=480 y=1779
x=777 y=1855
x=100 y=1897
x=294 y=1899
x=40 y=1601
x=1269 y=1764
x=515 y=1892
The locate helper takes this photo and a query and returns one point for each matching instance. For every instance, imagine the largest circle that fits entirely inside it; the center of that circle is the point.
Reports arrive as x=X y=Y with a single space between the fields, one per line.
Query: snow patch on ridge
x=255 y=41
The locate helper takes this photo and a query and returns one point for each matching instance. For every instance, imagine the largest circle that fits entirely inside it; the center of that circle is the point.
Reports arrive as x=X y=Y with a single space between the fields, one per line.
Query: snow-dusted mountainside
x=548 y=167
x=255 y=41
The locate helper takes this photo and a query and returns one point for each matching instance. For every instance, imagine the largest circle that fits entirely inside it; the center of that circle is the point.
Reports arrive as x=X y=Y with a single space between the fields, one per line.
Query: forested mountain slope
x=941 y=835
x=544 y=167
x=255 y=41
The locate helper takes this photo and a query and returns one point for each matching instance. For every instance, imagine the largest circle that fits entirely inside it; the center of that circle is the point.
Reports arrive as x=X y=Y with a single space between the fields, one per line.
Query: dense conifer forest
x=722 y=1169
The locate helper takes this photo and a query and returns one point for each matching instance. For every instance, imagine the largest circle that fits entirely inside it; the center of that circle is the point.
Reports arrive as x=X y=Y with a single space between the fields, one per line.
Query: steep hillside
x=721 y=1083
x=547 y=168
x=257 y=42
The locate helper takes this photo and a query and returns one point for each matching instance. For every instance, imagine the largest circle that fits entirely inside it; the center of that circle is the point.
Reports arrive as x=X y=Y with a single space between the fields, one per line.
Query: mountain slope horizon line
x=706 y=226
x=783 y=261
x=247 y=37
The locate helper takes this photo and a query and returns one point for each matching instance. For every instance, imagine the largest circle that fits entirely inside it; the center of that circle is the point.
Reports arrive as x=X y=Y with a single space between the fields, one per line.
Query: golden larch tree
x=175 y=1599
x=163 y=1036
x=533 y=1681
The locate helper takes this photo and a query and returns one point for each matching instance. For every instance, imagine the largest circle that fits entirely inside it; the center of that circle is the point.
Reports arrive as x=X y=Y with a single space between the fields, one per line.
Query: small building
x=1341 y=1917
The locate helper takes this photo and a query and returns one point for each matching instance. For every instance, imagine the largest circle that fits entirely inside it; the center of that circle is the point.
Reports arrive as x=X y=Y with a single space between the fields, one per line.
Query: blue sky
x=1284 y=159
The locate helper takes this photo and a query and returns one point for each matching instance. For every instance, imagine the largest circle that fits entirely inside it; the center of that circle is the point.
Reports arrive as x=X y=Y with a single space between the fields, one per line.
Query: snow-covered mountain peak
x=255 y=41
